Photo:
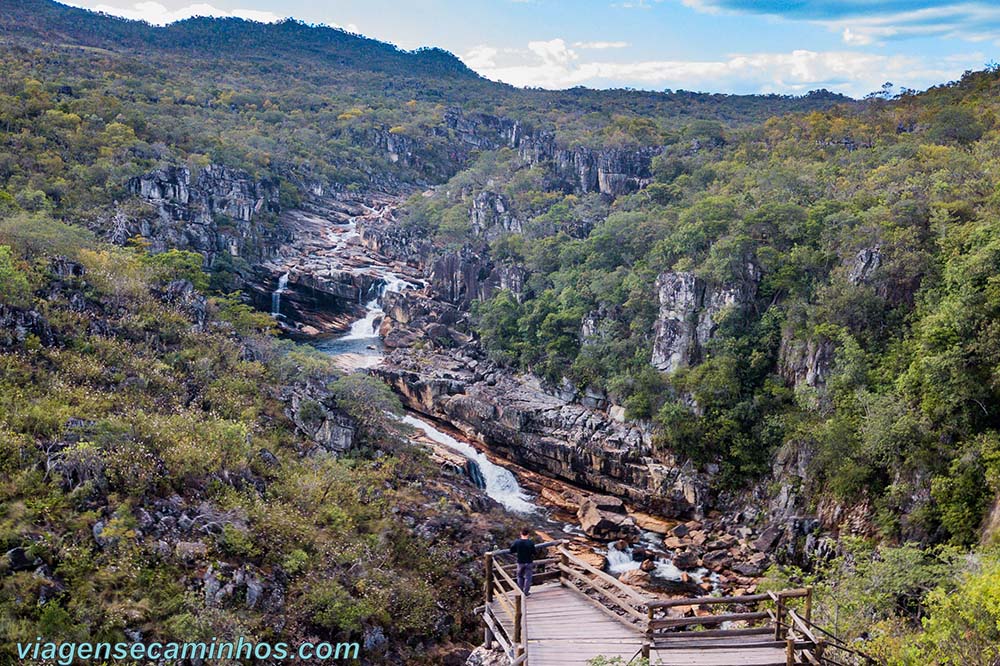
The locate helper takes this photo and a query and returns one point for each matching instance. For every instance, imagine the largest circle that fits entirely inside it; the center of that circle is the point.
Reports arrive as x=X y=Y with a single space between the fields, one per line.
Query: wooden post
x=650 y=611
x=645 y=650
x=779 y=612
x=819 y=650
x=790 y=652
x=808 y=610
x=488 y=558
x=563 y=562
x=518 y=613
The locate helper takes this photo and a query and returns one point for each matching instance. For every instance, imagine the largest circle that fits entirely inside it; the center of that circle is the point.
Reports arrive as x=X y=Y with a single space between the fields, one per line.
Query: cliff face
x=611 y=171
x=224 y=211
x=689 y=314
x=805 y=362
x=521 y=421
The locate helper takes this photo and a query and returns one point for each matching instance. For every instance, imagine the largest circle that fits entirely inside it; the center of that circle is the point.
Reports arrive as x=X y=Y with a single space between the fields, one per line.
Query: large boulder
x=686 y=560
x=604 y=517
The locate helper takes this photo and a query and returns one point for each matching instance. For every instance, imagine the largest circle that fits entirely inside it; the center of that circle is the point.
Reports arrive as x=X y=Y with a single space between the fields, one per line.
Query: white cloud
x=972 y=22
x=553 y=52
x=481 y=57
x=157 y=14
x=551 y=64
x=864 y=22
x=601 y=45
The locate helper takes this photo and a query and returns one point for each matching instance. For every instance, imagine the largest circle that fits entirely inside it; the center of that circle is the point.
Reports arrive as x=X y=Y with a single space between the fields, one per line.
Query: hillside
x=768 y=321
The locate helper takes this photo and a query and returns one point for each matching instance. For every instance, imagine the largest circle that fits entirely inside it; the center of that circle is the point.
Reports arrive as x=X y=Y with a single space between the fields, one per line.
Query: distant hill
x=287 y=101
x=56 y=23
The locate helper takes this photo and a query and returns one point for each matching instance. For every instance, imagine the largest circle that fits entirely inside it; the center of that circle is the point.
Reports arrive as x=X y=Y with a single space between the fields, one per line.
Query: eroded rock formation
x=221 y=211
x=520 y=420
x=689 y=313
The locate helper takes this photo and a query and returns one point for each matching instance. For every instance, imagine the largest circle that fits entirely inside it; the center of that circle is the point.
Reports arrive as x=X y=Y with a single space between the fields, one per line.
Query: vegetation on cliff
x=807 y=280
x=841 y=268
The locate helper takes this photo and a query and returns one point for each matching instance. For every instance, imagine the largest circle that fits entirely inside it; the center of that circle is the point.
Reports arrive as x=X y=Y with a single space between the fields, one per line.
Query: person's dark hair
x=525 y=532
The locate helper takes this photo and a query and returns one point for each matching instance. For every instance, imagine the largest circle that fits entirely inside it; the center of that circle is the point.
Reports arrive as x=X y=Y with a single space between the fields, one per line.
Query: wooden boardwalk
x=564 y=629
x=577 y=612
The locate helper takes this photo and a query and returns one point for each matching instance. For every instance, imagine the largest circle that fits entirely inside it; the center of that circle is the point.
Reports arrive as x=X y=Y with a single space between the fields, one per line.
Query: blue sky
x=735 y=46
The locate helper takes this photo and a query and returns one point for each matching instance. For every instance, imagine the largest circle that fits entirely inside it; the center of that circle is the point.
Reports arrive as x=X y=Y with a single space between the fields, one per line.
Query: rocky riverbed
x=341 y=271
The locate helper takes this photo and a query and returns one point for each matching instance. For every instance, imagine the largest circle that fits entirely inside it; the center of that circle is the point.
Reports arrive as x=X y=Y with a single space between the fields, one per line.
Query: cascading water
x=620 y=561
x=362 y=339
x=366 y=328
x=276 y=295
x=501 y=484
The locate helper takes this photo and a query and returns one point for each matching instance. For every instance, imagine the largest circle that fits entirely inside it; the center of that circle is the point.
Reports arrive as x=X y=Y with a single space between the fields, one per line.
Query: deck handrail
x=512 y=601
x=791 y=627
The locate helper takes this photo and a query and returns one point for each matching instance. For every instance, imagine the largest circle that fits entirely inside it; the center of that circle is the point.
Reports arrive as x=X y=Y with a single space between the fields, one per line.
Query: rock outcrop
x=865 y=264
x=605 y=518
x=895 y=280
x=491 y=216
x=410 y=317
x=611 y=171
x=689 y=313
x=221 y=211
x=466 y=276
x=805 y=362
x=520 y=420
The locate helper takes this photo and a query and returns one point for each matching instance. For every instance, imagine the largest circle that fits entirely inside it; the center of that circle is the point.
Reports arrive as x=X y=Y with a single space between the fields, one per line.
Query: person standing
x=524 y=548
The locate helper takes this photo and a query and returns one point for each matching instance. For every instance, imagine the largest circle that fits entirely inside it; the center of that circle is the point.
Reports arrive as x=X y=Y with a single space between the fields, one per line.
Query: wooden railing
x=746 y=619
x=505 y=611
x=829 y=650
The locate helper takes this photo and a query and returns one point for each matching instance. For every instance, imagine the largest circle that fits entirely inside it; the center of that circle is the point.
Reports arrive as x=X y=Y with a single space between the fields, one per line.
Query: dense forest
x=842 y=258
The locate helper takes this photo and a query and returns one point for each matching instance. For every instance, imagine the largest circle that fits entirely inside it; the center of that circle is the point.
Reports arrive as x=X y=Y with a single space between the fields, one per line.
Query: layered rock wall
x=522 y=422
x=222 y=211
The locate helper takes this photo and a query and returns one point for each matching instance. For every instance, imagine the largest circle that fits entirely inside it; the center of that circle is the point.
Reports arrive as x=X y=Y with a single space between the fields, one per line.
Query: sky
x=731 y=46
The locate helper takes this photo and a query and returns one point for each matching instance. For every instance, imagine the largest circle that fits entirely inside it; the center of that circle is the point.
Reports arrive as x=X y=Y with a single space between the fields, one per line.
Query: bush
x=14 y=287
x=177 y=265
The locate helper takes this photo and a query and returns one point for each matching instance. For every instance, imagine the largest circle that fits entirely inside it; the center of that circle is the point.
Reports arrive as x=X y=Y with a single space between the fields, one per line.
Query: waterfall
x=276 y=295
x=500 y=482
x=620 y=561
x=366 y=328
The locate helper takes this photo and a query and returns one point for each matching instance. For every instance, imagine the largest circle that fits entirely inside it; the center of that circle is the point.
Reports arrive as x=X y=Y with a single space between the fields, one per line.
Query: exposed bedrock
x=611 y=171
x=521 y=421
x=805 y=362
x=690 y=312
x=222 y=211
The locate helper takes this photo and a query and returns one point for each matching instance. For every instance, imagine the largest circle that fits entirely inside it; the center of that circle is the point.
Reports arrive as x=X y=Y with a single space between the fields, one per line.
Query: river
x=361 y=348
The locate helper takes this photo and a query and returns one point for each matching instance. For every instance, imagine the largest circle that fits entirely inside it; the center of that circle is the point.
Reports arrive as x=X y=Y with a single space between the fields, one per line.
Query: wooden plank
x=632 y=594
x=743 y=599
x=800 y=624
x=498 y=634
x=707 y=619
x=762 y=657
x=729 y=645
x=712 y=633
x=607 y=593
x=607 y=611
x=704 y=601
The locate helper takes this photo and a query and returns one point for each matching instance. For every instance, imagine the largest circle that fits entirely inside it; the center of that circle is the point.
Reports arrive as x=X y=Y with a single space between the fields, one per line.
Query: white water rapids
x=363 y=340
x=501 y=484
x=620 y=561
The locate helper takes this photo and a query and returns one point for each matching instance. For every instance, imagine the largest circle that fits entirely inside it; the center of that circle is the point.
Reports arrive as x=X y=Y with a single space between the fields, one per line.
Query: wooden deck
x=565 y=629
x=577 y=612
